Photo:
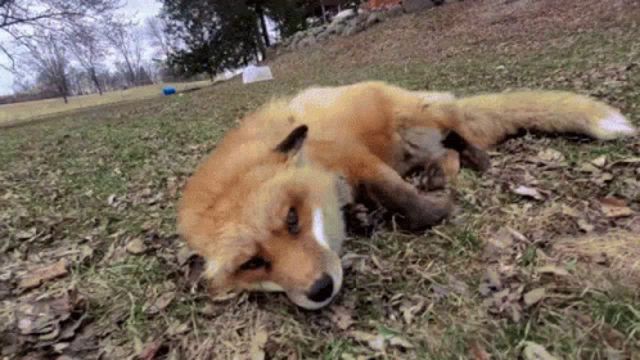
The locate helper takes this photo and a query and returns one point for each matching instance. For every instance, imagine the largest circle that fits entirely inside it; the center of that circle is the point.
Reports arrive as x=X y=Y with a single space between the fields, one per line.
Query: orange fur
x=237 y=206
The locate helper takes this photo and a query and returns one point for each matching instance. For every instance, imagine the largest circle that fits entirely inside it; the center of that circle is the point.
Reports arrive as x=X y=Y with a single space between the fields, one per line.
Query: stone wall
x=347 y=24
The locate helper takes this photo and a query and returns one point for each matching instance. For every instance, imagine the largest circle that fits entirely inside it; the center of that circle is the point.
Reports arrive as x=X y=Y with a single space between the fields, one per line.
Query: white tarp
x=256 y=73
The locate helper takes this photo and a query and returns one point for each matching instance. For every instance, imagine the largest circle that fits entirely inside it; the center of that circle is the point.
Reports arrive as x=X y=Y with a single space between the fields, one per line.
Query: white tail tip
x=615 y=125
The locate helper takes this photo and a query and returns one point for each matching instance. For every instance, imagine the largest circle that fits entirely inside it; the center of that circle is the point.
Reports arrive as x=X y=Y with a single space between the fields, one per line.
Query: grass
x=12 y=114
x=104 y=176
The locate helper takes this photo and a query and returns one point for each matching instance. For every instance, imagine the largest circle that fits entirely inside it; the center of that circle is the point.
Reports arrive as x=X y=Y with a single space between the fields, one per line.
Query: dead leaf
x=615 y=208
x=409 y=311
x=552 y=269
x=585 y=226
x=257 y=345
x=499 y=242
x=38 y=276
x=26 y=234
x=533 y=351
x=588 y=168
x=569 y=211
x=342 y=317
x=401 y=342
x=478 y=351
x=136 y=246
x=150 y=350
x=631 y=160
x=534 y=296
x=600 y=161
x=184 y=254
x=48 y=321
x=528 y=192
x=490 y=283
x=160 y=303
x=550 y=156
x=376 y=342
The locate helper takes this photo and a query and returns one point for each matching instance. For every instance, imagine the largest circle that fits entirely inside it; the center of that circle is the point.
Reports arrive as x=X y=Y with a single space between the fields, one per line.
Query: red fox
x=264 y=209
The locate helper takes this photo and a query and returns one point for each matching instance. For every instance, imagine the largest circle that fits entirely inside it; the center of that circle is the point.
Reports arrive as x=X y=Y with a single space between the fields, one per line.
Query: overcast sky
x=134 y=10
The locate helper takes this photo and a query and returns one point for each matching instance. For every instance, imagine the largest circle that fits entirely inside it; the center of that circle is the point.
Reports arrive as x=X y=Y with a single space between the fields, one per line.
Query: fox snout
x=322 y=290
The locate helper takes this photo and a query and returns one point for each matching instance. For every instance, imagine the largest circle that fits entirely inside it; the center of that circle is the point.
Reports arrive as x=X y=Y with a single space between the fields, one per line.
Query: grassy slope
x=106 y=176
x=25 y=111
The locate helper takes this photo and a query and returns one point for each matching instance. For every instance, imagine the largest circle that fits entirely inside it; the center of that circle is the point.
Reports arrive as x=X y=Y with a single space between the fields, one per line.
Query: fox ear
x=293 y=142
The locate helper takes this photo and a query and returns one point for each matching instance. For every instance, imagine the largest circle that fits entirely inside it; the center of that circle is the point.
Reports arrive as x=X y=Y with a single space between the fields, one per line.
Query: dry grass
x=611 y=255
x=87 y=186
x=24 y=111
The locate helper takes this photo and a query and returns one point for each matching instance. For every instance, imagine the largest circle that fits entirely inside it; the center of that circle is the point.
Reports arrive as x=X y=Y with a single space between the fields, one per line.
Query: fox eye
x=254 y=263
x=293 y=226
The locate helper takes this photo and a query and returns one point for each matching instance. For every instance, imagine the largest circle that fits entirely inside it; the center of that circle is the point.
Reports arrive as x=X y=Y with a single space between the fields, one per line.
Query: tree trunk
x=64 y=87
x=324 y=12
x=263 y=25
x=94 y=78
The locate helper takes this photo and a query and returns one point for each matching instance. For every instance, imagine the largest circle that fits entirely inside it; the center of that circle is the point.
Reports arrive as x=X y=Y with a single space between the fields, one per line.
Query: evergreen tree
x=214 y=35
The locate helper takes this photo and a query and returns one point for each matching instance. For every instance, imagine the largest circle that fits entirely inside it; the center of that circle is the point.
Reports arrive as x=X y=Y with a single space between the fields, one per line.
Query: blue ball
x=168 y=90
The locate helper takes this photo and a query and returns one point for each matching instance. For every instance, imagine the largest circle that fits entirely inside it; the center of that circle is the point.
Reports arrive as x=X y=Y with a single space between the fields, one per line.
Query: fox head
x=266 y=219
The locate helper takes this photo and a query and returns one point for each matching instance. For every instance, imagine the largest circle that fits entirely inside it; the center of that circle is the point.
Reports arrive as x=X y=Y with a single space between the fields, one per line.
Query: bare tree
x=155 y=30
x=127 y=43
x=89 y=50
x=22 y=21
x=48 y=59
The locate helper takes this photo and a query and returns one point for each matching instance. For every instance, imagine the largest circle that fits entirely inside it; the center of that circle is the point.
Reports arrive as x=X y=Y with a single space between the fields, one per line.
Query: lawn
x=11 y=114
x=507 y=276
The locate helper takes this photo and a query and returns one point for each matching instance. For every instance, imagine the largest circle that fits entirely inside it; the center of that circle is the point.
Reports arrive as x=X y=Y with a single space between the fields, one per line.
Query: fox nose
x=322 y=289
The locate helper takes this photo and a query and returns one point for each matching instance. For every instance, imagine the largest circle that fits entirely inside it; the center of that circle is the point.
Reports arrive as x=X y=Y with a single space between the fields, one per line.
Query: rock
x=394 y=11
x=318 y=30
x=417 y=5
x=373 y=18
x=136 y=246
x=306 y=42
x=336 y=28
x=322 y=36
x=344 y=15
x=349 y=30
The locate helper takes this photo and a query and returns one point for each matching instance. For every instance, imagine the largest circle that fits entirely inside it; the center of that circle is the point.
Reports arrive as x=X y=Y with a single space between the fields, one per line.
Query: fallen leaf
x=498 y=243
x=631 y=160
x=409 y=311
x=534 y=296
x=550 y=156
x=478 y=351
x=49 y=321
x=160 y=303
x=615 y=208
x=38 y=276
x=585 y=226
x=150 y=350
x=26 y=234
x=552 y=269
x=257 y=345
x=533 y=351
x=401 y=342
x=569 y=211
x=600 y=161
x=376 y=342
x=490 y=283
x=136 y=246
x=588 y=168
x=603 y=178
x=341 y=316
x=528 y=192
x=184 y=254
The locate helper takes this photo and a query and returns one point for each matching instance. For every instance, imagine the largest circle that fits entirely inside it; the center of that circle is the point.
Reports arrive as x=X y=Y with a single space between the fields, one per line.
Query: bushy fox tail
x=485 y=120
